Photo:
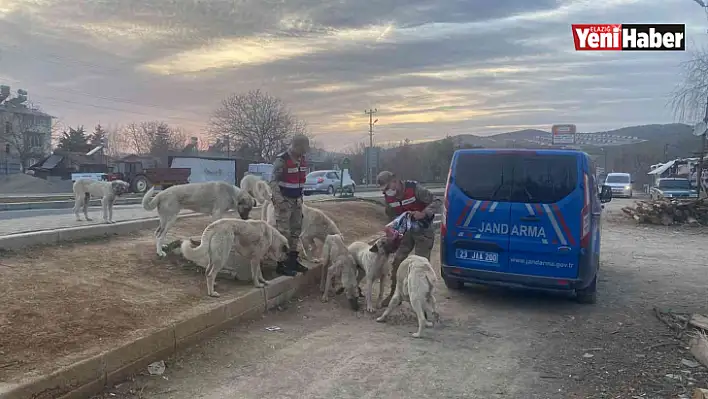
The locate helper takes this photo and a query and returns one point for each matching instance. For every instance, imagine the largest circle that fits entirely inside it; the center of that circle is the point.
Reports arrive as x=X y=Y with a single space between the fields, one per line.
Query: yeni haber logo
x=626 y=37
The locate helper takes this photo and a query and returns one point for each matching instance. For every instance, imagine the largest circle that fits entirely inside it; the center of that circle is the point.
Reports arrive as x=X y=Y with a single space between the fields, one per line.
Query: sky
x=430 y=68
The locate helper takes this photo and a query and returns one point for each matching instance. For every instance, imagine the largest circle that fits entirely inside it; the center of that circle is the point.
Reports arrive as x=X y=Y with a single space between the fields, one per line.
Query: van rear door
x=477 y=211
x=545 y=216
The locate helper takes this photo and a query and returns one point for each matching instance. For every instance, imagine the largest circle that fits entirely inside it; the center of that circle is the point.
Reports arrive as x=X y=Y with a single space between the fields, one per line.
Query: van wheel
x=452 y=284
x=587 y=295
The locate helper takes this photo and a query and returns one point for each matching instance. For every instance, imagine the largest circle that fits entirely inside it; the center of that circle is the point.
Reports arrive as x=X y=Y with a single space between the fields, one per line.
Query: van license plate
x=479 y=256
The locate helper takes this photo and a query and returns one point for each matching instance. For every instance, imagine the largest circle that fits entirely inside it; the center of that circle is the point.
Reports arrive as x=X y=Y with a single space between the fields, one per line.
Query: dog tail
x=150 y=203
x=195 y=254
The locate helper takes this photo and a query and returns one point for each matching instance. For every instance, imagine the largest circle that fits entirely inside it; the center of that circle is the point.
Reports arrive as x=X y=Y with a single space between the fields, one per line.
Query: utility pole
x=369 y=166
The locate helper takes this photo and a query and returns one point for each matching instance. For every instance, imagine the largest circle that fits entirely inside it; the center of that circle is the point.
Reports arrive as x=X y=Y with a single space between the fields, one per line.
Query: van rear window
x=541 y=179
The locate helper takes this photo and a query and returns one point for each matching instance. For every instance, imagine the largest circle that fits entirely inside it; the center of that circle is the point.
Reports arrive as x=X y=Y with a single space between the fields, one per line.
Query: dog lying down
x=107 y=191
x=213 y=198
x=373 y=259
x=256 y=187
x=337 y=262
x=415 y=284
x=252 y=239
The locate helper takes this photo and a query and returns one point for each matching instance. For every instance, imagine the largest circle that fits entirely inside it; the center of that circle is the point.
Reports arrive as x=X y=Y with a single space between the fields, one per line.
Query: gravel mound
x=21 y=183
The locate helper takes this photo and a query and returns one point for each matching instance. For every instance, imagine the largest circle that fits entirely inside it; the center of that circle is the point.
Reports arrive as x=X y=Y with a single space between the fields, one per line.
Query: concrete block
x=279 y=291
x=136 y=355
x=188 y=331
x=254 y=299
x=83 y=232
x=24 y=240
x=78 y=378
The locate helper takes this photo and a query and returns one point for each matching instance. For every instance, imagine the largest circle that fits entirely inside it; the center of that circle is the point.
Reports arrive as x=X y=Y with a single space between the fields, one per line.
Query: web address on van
x=534 y=262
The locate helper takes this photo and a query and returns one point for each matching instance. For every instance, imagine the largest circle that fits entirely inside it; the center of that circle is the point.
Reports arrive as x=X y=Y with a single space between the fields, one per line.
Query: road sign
x=345 y=163
x=700 y=129
x=563 y=134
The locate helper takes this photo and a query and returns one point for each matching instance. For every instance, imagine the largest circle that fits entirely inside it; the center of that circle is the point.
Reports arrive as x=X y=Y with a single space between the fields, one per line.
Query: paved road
x=12 y=222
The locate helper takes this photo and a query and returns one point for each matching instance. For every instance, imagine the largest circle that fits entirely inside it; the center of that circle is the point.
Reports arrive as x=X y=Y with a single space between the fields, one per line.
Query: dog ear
x=285 y=248
x=374 y=248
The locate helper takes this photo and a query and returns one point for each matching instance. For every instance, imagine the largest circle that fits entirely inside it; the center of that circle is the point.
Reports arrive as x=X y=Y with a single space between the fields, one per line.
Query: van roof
x=520 y=151
x=618 y=174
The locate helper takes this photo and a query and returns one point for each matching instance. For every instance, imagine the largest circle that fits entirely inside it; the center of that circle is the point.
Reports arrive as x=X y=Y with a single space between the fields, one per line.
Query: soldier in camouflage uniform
x=402 y=196
x=289 y=171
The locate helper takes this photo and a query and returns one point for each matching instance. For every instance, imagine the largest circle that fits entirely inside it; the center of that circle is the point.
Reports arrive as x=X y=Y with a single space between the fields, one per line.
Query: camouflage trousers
x=420 y=242
x=288 y=218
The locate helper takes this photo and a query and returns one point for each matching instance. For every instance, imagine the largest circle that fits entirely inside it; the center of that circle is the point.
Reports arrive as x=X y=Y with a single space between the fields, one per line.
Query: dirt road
x=490 y=343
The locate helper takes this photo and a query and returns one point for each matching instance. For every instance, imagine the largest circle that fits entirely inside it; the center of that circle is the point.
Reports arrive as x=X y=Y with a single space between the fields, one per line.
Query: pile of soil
x=21 y=183
x=68 y=302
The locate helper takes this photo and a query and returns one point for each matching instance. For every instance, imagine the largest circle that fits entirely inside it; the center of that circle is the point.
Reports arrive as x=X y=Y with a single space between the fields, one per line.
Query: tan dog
x=256 y=187
x=252 y=239
x=415 y=284
x=373 y=259
x=212 y=198
x=107 y=191
x=338 y=262
x=316 y=226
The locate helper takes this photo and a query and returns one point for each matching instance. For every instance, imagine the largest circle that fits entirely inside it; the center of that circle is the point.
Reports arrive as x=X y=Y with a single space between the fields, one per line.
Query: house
x=61 y=164
x=25 y=132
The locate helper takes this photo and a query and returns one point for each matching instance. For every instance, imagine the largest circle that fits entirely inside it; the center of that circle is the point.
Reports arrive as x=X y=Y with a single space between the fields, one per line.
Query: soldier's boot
x=294 y=264
x=284 y=270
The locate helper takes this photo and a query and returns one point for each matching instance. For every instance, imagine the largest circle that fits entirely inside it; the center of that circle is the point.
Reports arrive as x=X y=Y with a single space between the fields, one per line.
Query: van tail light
x=446 y=204
x=585 y=214
x=320 y=179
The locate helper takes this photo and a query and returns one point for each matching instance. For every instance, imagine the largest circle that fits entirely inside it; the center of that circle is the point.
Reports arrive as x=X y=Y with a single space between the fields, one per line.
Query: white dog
x=316 y=225
x=108 y=191
x=338 y=262
x=253 y=239
x=373 y=259
x=415 y=284
x=256 y=187
x=212 y=198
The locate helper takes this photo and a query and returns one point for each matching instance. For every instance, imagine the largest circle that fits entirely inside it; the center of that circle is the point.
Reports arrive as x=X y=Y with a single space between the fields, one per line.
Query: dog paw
x=259 y=285
x=161 y=254
x=214 y=294
x=381 y=319
x=89 y=220
x=416 y=335
x=324 y=298
x=428 y=323
x=370 y=309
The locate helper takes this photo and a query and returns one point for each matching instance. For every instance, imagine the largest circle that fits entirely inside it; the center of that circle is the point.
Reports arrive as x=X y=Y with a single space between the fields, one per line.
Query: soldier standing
x=411 y=196
x=289 y=172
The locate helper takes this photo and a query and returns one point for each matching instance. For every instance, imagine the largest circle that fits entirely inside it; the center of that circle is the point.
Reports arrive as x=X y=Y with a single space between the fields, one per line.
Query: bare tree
x=256 y=122
x=688 y=101
x=154 y=138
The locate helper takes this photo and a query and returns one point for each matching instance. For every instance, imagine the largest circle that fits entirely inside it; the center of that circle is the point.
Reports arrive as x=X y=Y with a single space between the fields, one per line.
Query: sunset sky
x=431 y=67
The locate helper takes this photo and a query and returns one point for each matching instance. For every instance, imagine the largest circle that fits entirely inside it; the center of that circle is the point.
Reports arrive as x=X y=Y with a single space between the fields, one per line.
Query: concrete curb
x=23 y=206
x=90 y=376
x=50 y=237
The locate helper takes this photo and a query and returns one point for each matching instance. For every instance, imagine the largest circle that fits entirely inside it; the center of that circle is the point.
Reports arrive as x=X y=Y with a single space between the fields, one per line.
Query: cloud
x=430 y=68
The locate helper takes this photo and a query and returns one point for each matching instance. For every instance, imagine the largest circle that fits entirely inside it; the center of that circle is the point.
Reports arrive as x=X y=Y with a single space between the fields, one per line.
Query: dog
x=108 y=191
x=338 y=262
x=256 y=187
x=415 y=284
x=212 y=198
x=373 y=259
x=316 y=225
x=253 y=239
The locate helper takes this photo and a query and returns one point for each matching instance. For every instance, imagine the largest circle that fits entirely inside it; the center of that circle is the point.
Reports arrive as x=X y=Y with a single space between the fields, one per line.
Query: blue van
x=523 y=218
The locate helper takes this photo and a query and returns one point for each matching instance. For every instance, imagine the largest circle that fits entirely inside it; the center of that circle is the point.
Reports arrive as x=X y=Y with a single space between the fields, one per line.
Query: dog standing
x=253 y=239
x=256 y=187
x=108 y=191
x=213 y=198
x=338 y=262
x=416 y=283
x=373 y=259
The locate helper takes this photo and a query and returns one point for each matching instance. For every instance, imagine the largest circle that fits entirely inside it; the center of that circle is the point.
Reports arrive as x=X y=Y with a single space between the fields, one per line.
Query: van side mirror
x=633 y=181
x=605 y=194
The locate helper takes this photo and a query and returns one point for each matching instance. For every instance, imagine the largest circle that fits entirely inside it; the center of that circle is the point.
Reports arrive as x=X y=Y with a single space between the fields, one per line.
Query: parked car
x=673 y=187
x=620 y=183
x=327 y=181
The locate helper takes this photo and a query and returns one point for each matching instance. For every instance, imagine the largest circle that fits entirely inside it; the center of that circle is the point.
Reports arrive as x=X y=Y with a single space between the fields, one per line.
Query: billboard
x=563 y=134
